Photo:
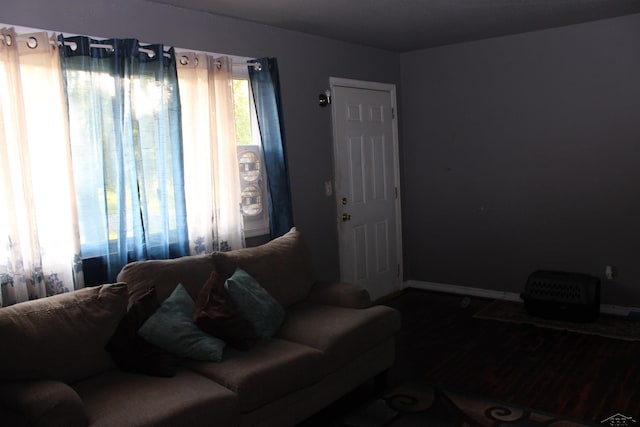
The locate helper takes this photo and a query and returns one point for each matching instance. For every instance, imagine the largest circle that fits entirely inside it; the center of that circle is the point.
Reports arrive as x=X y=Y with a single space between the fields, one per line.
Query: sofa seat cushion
x=281 y=266
x=340 y=333
x=118 y=398
x=269 y=370
x=61 y=337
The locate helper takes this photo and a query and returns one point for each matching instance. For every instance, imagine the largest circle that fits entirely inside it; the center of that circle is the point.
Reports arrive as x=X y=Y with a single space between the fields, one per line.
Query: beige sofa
x=54 y=370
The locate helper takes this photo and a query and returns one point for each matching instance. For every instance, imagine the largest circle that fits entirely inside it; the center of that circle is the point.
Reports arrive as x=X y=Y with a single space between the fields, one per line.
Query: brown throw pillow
x=216 y=314
x=131 y=352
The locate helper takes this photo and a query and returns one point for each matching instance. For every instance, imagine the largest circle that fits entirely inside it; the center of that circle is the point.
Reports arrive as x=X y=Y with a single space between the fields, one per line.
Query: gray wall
x=523 y=153
x=305 y=63
x=518 y=153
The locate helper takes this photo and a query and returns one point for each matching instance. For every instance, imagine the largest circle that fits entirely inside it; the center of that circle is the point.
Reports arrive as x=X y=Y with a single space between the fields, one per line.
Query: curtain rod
x=184 y=60
x=32 y=43
x=150 y=52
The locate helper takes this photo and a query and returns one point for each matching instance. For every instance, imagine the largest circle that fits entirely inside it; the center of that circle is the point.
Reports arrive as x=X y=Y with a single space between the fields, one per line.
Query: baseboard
x=501 y=295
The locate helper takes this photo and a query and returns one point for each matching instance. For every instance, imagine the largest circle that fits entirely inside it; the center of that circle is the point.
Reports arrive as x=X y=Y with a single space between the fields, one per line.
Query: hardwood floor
x=586 y=377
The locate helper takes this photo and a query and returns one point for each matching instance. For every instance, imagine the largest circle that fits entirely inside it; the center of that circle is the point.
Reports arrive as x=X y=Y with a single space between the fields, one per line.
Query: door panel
x=365 y=150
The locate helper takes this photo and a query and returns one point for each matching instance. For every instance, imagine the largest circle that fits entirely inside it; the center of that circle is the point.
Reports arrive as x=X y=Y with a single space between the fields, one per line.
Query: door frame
x=384 y=87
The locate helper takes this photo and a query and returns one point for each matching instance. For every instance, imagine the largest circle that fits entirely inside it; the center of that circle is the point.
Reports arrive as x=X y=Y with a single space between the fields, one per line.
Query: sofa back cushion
x=61 y=337
x=281 y=266
x=191 y=271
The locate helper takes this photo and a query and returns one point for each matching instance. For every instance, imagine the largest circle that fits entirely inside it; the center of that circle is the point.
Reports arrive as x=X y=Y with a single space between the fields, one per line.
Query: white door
x=367 y=184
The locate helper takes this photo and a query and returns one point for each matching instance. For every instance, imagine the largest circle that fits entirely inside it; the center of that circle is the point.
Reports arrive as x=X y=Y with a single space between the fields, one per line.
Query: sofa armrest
x=43 y=403
x=342 y=294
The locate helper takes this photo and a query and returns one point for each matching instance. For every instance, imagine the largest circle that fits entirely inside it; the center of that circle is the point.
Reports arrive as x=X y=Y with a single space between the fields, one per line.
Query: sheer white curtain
x=211 y=175
x=39 y=247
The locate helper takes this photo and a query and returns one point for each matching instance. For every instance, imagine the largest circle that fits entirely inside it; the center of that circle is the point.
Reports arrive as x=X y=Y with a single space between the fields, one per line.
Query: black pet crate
x=562 y=296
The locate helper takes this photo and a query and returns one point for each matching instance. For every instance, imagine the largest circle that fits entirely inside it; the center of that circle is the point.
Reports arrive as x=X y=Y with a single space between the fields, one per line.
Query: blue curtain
x=265 y=84
x=124 y=119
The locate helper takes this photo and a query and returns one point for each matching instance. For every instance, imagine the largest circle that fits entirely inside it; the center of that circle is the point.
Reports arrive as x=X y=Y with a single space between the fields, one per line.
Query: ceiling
x=405 y=25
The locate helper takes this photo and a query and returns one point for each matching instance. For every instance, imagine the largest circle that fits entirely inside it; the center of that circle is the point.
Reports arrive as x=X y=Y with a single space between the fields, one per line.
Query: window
x=145 y=114
x=114 y=164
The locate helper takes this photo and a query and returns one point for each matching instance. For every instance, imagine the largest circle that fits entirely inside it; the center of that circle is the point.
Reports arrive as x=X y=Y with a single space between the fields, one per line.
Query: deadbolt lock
x=346 y=217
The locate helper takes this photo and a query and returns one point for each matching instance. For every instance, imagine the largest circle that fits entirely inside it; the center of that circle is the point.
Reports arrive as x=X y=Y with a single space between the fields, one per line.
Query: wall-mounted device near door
x=328 y=189
x=324 y=99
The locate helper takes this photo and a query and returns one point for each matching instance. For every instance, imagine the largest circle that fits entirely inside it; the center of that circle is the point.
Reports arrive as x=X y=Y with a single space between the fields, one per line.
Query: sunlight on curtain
x=212 y=182
x=124 y=117
x=39 y=254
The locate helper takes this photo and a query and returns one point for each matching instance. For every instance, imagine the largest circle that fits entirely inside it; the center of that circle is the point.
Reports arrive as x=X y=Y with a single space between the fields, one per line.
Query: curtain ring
x=73 y=46
x=32 y=43
x=184 y=60
x=8 y=39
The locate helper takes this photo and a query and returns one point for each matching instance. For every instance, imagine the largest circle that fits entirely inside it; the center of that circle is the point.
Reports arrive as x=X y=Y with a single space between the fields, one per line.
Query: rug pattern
x=420 y=404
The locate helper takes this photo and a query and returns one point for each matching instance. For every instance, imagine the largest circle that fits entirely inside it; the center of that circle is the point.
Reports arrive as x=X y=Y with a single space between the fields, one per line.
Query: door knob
x=346 y=217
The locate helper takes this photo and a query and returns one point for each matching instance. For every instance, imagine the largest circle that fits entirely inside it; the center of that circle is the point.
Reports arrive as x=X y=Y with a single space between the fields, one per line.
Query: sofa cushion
x=254 y=302
x=216 y=314
x=133 y=353
x=118 y=398
x=281 y=266
x=171 y=328
x=165 y=274
x=271 y=369
x=340 y=333
x=61 y=337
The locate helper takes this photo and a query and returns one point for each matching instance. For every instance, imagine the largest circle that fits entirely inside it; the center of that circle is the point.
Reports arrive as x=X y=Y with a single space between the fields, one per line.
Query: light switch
x=328 y=188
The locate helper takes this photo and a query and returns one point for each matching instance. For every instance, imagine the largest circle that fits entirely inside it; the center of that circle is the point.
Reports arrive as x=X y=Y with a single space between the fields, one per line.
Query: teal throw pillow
x=171 y=328
x=254 y=302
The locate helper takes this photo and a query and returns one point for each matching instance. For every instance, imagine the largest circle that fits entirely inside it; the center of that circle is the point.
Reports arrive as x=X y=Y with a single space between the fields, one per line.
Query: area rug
x=606 y=325
x=419 y=404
